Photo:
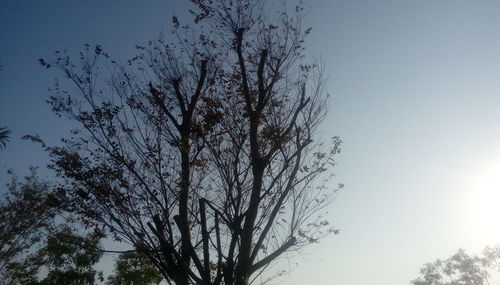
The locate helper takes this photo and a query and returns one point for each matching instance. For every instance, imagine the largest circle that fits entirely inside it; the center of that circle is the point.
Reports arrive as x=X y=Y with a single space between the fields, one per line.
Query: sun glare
x=485 y=201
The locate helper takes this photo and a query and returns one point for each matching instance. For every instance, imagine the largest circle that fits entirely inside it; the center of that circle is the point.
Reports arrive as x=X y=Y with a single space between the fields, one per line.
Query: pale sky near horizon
x=416 y=101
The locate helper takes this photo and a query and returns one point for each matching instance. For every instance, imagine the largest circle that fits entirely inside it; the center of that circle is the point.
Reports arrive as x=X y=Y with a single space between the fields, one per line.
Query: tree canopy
x=461 y=269
x=70 y=259
x=40 y=245
x=27 y=209
x=200 y=151
x=134 y=268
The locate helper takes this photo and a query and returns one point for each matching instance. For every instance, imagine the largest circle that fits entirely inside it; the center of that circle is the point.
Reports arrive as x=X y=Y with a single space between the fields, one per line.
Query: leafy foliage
x=35 y=239
x=134 y=268
x=70 y=259
x=461 y=269
x=37 y=248
x=26 y=212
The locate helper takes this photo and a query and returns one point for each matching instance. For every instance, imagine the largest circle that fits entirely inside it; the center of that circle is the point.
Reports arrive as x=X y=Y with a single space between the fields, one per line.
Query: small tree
x=36 y=239
x=461 y=269
x=38 y=246
x=27 y=209
x=199 y=152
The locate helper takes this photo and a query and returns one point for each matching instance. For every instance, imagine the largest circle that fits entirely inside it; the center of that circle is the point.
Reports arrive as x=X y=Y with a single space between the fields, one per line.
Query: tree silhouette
x=461 y=269
x=26 y=212
x=199 y=151
x=38 y=244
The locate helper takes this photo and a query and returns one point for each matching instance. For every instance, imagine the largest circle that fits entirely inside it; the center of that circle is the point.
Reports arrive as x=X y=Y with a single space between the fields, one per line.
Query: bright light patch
x=484 y=199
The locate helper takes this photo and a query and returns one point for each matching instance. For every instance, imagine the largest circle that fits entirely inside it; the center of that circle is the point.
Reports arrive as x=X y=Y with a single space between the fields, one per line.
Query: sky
x=416 y=101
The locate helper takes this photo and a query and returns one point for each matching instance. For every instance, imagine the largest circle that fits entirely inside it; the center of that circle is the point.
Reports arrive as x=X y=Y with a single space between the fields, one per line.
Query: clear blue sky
x=416 y=92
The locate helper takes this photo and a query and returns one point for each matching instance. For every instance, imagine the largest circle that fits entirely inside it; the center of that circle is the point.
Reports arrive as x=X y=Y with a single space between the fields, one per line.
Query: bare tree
x=199 y=151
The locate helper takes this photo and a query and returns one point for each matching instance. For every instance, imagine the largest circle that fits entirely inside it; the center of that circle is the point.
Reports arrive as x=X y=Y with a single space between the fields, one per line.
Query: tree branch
x=273 y=255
